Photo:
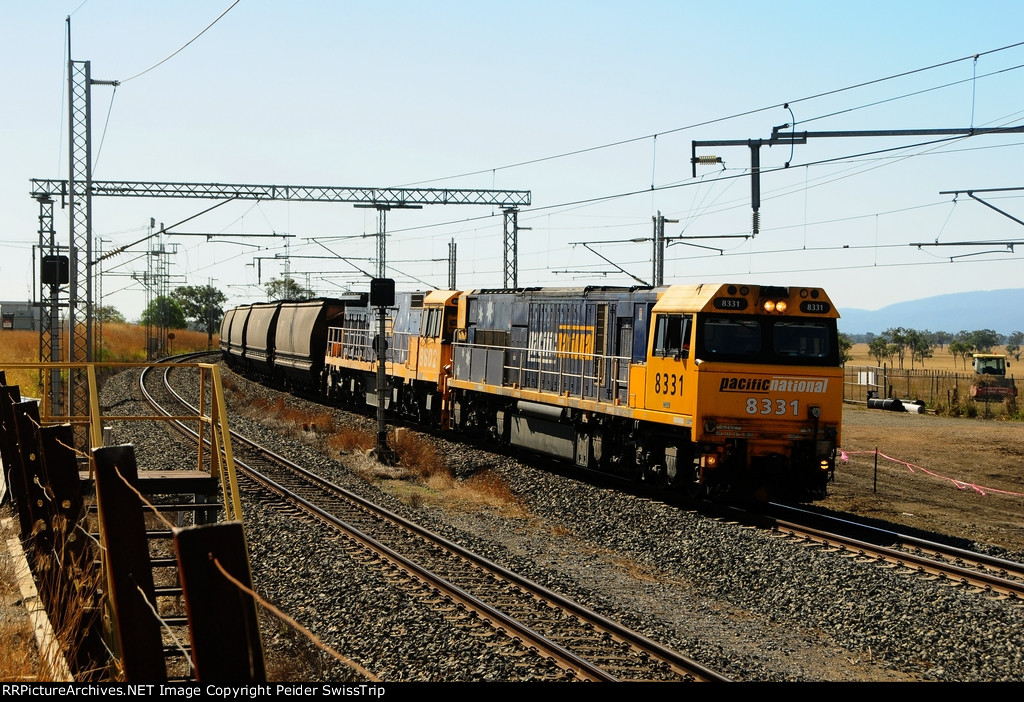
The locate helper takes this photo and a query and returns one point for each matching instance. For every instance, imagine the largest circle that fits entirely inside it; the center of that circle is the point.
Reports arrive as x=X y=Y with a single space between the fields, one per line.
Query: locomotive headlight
x=781 y=306
x=769 y=306
x=815 y=412
x=710 y=425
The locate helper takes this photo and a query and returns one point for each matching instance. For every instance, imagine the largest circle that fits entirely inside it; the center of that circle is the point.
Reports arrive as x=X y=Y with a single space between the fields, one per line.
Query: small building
x=19 y=315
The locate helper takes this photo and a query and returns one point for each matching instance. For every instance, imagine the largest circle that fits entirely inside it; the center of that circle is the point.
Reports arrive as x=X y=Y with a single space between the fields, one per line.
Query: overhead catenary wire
x=546 y=210
x=716 y=120
x=206 y=29
x=562 y=207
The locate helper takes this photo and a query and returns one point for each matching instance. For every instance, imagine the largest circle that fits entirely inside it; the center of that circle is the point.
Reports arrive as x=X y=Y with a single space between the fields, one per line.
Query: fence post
x=874 y=488
x=8 y=445
x=10 y=397
x=68 y=573
x=27 y=475
x=131 y=591
x=226 y=645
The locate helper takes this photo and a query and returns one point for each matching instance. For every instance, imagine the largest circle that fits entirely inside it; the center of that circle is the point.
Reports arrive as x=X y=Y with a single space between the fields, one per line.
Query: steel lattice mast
x=77 y=193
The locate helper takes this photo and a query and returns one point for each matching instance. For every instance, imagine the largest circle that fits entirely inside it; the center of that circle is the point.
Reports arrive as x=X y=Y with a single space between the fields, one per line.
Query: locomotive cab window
x=431 y=325
x=731 y=336
x=759 y=340
x=803 y=339
x=451 y=318
x=672 y=335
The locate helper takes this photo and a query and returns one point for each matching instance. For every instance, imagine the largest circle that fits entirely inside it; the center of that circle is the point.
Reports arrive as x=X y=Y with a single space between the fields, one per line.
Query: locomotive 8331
x=717 y=389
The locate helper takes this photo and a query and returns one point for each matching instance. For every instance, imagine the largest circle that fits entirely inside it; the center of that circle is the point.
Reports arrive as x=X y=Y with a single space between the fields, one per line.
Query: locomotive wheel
x=692 y=486
x=659 y=476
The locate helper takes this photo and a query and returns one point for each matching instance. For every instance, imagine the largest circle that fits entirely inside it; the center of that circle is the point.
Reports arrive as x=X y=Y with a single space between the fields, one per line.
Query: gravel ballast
x=754 y=606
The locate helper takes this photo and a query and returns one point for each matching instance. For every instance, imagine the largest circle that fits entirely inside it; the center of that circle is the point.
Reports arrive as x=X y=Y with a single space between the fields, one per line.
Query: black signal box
x=382 y=292
x=56 y=270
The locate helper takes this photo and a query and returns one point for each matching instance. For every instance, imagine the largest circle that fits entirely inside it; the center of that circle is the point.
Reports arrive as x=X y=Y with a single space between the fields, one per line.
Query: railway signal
x=382 y=296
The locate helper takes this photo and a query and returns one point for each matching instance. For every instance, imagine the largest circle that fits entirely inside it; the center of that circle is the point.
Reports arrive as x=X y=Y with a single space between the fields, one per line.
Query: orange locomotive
x=715 y=389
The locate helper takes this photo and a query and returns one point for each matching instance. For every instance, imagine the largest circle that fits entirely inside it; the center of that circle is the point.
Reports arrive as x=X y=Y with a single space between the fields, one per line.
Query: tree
x=880 y=349
x=287 y=289
x=920 y=344
x=941 y=338
x=164 y=312
x=1013 y=344
x=845 y=348
x=961 y=349
x=204 y=304
x=109 y=314
x=897 y=339
x=984 y=340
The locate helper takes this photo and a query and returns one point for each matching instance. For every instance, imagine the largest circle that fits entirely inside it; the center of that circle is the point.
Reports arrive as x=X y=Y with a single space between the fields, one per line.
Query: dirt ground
x=953 y=476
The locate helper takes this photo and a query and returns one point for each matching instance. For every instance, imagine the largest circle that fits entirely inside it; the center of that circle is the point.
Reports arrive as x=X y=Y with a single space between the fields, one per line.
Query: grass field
x=122 y=343
x=941 y=360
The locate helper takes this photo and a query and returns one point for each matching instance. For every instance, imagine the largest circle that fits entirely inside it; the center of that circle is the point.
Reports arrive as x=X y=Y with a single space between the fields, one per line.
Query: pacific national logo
x=774 y=384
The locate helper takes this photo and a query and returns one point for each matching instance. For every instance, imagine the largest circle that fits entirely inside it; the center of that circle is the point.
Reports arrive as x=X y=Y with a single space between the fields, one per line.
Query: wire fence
x=945 y=392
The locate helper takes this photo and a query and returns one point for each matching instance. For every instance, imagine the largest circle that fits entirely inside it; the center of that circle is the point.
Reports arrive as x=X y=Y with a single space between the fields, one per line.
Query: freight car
x=283 y=342
x=715 y=389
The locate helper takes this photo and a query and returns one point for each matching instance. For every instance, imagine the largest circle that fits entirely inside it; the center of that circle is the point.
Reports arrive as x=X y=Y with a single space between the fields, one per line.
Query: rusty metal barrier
x=49 y=470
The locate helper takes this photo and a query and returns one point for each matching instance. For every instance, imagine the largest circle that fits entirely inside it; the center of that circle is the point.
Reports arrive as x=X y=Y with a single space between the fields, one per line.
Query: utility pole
x=451 y=264
x=55 y=274
x=793 y=138
x=658 y=255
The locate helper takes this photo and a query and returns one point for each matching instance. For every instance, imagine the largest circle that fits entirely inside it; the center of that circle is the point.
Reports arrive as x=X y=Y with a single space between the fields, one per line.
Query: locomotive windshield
x=768 y=340
x=803 y=339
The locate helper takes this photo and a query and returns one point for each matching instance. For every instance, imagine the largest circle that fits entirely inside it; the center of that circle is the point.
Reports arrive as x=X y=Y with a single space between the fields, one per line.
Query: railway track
x=544 y=631
x=985 y=574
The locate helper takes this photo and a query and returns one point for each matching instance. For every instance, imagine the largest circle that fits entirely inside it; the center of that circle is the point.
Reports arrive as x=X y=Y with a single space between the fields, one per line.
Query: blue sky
x=563 y=99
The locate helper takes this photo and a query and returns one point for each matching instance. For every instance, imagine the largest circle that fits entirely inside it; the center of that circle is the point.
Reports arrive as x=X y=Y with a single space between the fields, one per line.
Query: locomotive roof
x=583 y=291
x=440 y=297
x=695 y=298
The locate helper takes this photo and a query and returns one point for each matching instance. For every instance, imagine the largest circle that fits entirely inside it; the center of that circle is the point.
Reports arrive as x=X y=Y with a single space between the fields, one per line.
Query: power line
x=972 y=79
x=566 y=206
x=186 y=44
x=716 y=120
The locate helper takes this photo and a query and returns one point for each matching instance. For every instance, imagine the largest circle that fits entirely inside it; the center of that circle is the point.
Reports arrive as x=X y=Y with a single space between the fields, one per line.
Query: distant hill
x=999 y=310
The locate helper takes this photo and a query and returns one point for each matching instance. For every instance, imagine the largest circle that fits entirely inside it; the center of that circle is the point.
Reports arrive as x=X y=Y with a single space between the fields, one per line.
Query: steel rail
x=945 y=562
x=577 y=667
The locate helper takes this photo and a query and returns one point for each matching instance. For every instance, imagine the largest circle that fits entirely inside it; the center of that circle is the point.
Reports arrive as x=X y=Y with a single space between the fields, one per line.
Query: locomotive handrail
x=362 y=349
x=606 y=367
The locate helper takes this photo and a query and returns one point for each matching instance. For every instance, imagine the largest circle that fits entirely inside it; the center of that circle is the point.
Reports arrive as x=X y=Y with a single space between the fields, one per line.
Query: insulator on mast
x=756 y=223
x=707 y=160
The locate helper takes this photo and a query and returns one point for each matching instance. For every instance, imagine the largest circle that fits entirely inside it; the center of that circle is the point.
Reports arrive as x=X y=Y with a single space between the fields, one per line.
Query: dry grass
x=21 y=347
x=421 y=476
x=121 y=343
x=66 y=582
x=19 y=660
x=941 y=360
